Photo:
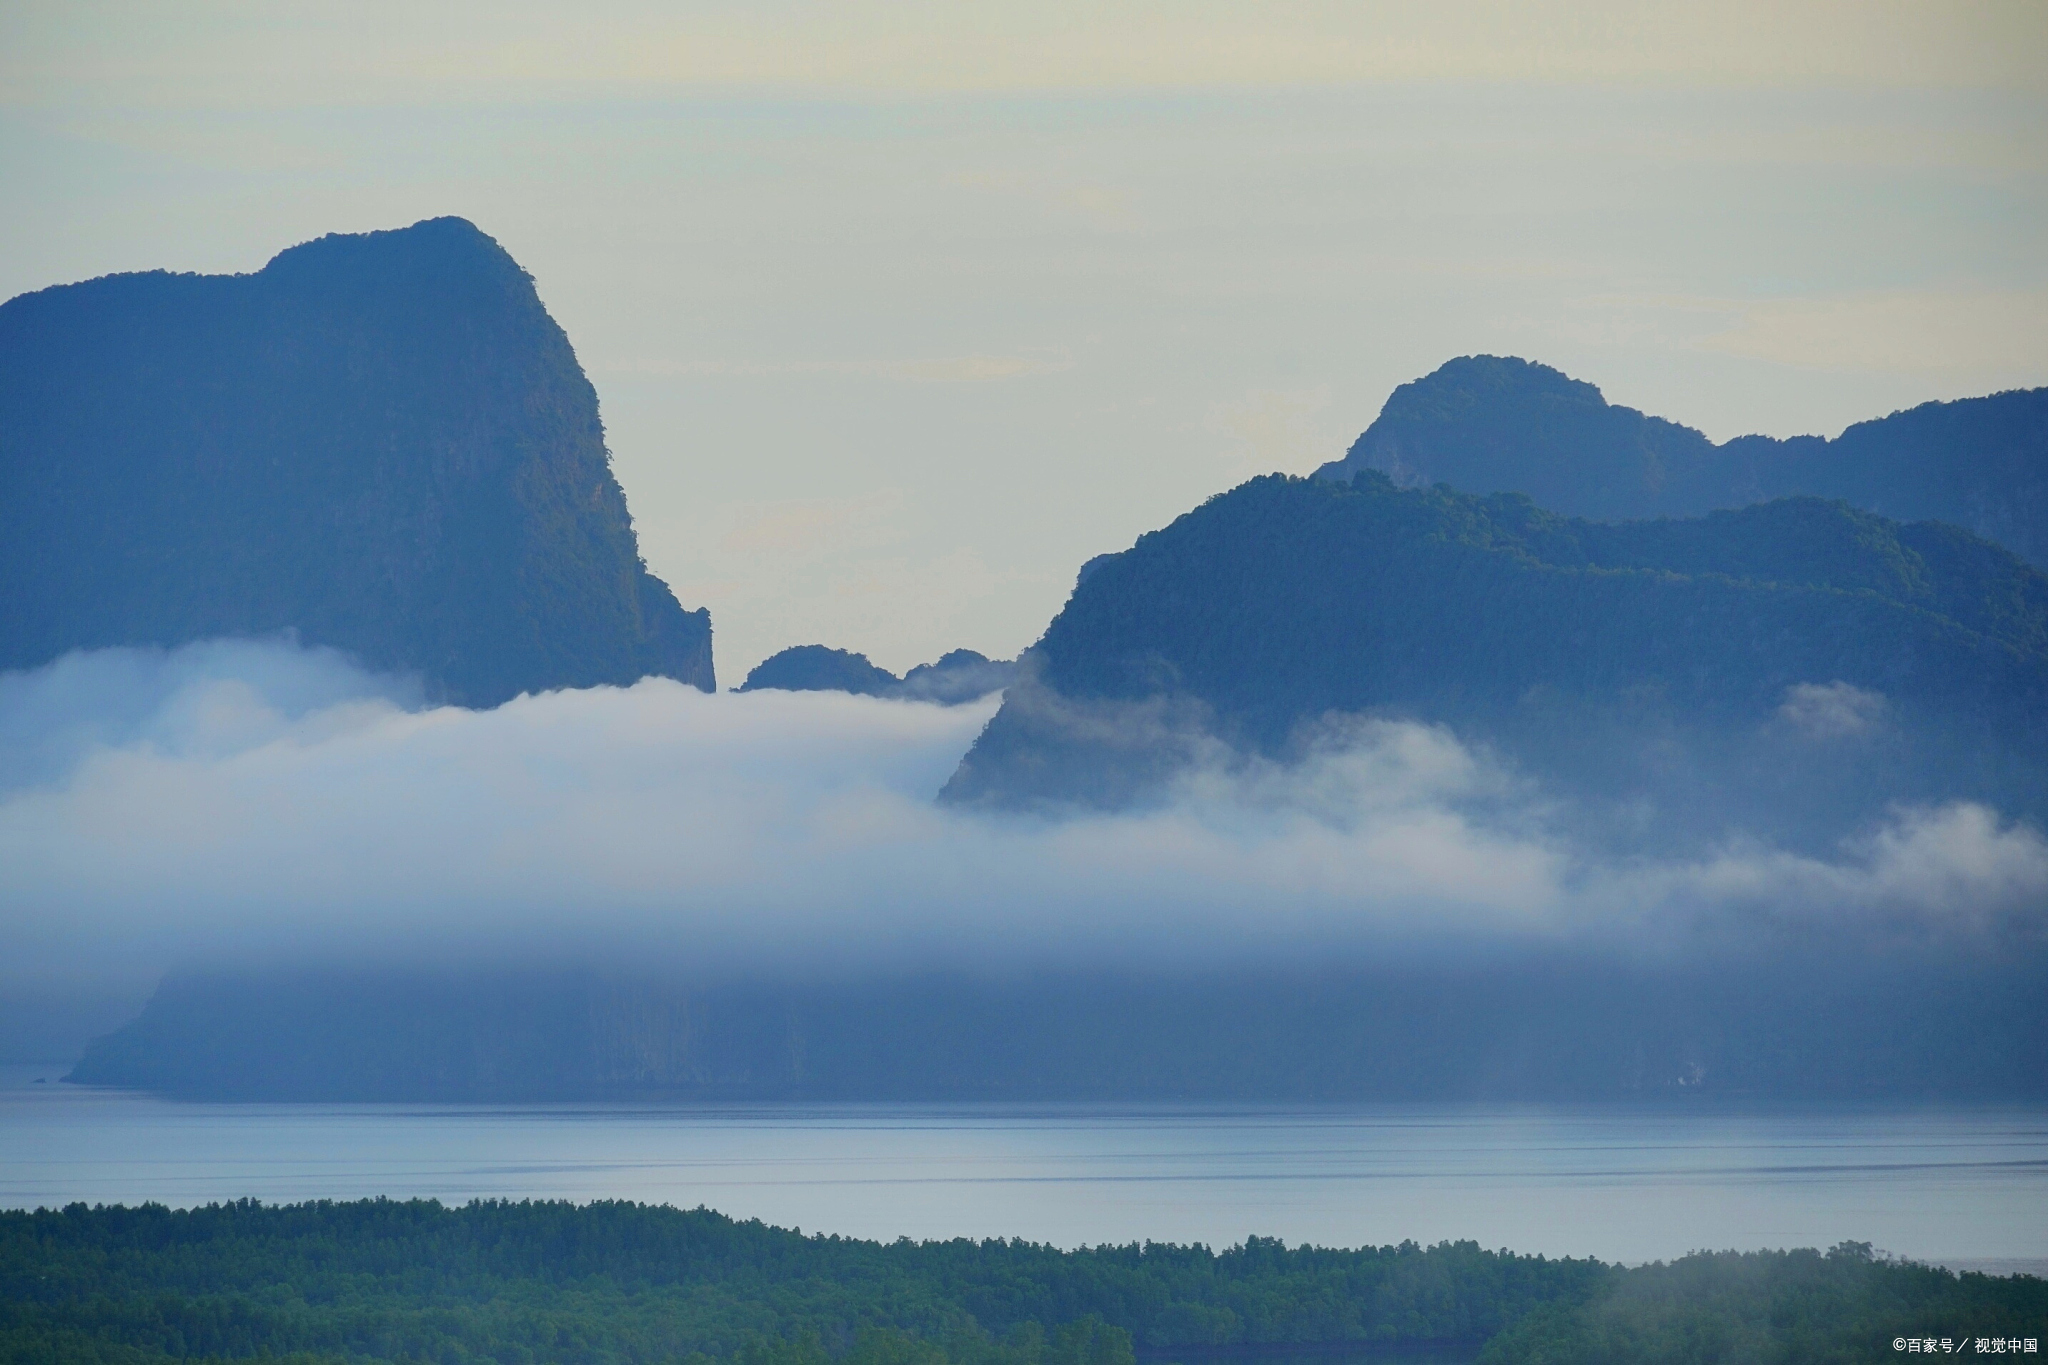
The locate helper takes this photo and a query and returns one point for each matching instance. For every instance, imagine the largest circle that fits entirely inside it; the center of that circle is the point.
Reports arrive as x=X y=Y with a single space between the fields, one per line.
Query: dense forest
x=1496 y=424
x=537 y=1283
x=381 y=443
x=1655 y=667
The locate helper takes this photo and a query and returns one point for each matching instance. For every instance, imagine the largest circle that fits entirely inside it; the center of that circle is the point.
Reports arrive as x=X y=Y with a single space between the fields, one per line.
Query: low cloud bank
x=255 y=802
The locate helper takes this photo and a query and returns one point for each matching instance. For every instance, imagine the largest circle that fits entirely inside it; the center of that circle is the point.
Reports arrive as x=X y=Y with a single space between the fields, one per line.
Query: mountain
x=380 y=442
x=959 y=676
x=1494 y=424
x=1792 y=666
x=817 y=668
x=1823 y=1022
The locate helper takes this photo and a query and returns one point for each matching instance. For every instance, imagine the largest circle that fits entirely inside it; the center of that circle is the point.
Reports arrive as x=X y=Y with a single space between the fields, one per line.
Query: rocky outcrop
x=381 y=443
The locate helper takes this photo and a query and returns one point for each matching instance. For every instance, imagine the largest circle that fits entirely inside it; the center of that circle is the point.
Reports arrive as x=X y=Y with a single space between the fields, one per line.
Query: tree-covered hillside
x=379 y=442
x=379 y=1281
x=1787 y=662
x=1490 y=424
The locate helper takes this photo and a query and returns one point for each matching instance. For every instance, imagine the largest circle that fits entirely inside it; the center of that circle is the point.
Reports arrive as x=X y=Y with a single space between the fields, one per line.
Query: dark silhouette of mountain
x=382 y=443
x=959 y=676
x=1785 y=667
x=817 y=668
x=1821 y=1023
x=1494 y=424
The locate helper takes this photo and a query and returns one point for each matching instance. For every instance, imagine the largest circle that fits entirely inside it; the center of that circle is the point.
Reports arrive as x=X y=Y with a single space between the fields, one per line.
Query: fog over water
x=248 y=804
x=242 y=803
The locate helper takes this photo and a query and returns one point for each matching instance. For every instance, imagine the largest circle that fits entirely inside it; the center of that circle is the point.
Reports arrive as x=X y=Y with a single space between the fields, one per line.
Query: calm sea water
x=1960 y=1186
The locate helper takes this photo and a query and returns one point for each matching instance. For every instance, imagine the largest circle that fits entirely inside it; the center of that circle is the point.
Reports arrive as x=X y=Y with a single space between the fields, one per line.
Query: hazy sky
x=899 y=312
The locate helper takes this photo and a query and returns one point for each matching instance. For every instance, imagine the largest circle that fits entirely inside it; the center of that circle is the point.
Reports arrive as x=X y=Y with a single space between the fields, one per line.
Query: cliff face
x=380 y=442
x=1494 y=424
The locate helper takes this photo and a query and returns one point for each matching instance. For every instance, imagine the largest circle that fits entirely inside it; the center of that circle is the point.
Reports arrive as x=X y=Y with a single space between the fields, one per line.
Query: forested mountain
x=1493 y=424
x=960 y=675
x=380 y=442
x=1794 y=665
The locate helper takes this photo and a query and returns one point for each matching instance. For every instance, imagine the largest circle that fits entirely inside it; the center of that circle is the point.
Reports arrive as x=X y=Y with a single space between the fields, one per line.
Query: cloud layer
x=232 y=802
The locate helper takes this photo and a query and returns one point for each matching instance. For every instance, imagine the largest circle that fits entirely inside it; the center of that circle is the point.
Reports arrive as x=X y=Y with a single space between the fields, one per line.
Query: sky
x=897 y=313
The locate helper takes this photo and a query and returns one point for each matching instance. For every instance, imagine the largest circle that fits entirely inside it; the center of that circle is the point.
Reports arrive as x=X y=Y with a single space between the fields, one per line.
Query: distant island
x=381 y=443
x=1796 y=1020
x=961 y=675
x=1497 y=424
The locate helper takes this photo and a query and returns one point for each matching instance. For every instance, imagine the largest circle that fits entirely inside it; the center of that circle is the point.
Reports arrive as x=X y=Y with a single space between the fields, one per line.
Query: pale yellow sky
x=898 y=312
x=286 y=54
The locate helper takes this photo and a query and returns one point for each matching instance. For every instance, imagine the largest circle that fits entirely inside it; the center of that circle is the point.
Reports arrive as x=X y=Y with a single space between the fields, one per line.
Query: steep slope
x=1794 y=665
x=381 y=442
x=1489 y=424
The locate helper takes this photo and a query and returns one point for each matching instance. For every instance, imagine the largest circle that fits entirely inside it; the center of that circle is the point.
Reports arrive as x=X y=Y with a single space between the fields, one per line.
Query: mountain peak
x=379 y=441
x=1503 y=424
x=1499 y=424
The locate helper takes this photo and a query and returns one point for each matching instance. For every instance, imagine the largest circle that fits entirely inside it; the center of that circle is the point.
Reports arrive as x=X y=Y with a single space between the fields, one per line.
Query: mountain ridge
x=1566 y=643
x=1487 y=424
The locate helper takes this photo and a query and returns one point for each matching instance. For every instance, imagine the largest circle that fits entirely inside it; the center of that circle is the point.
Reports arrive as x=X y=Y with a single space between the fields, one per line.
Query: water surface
x=1964 y=1186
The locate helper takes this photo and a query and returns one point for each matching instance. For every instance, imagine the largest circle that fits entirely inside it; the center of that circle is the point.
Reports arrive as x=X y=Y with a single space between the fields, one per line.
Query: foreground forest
x=380 y=1280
